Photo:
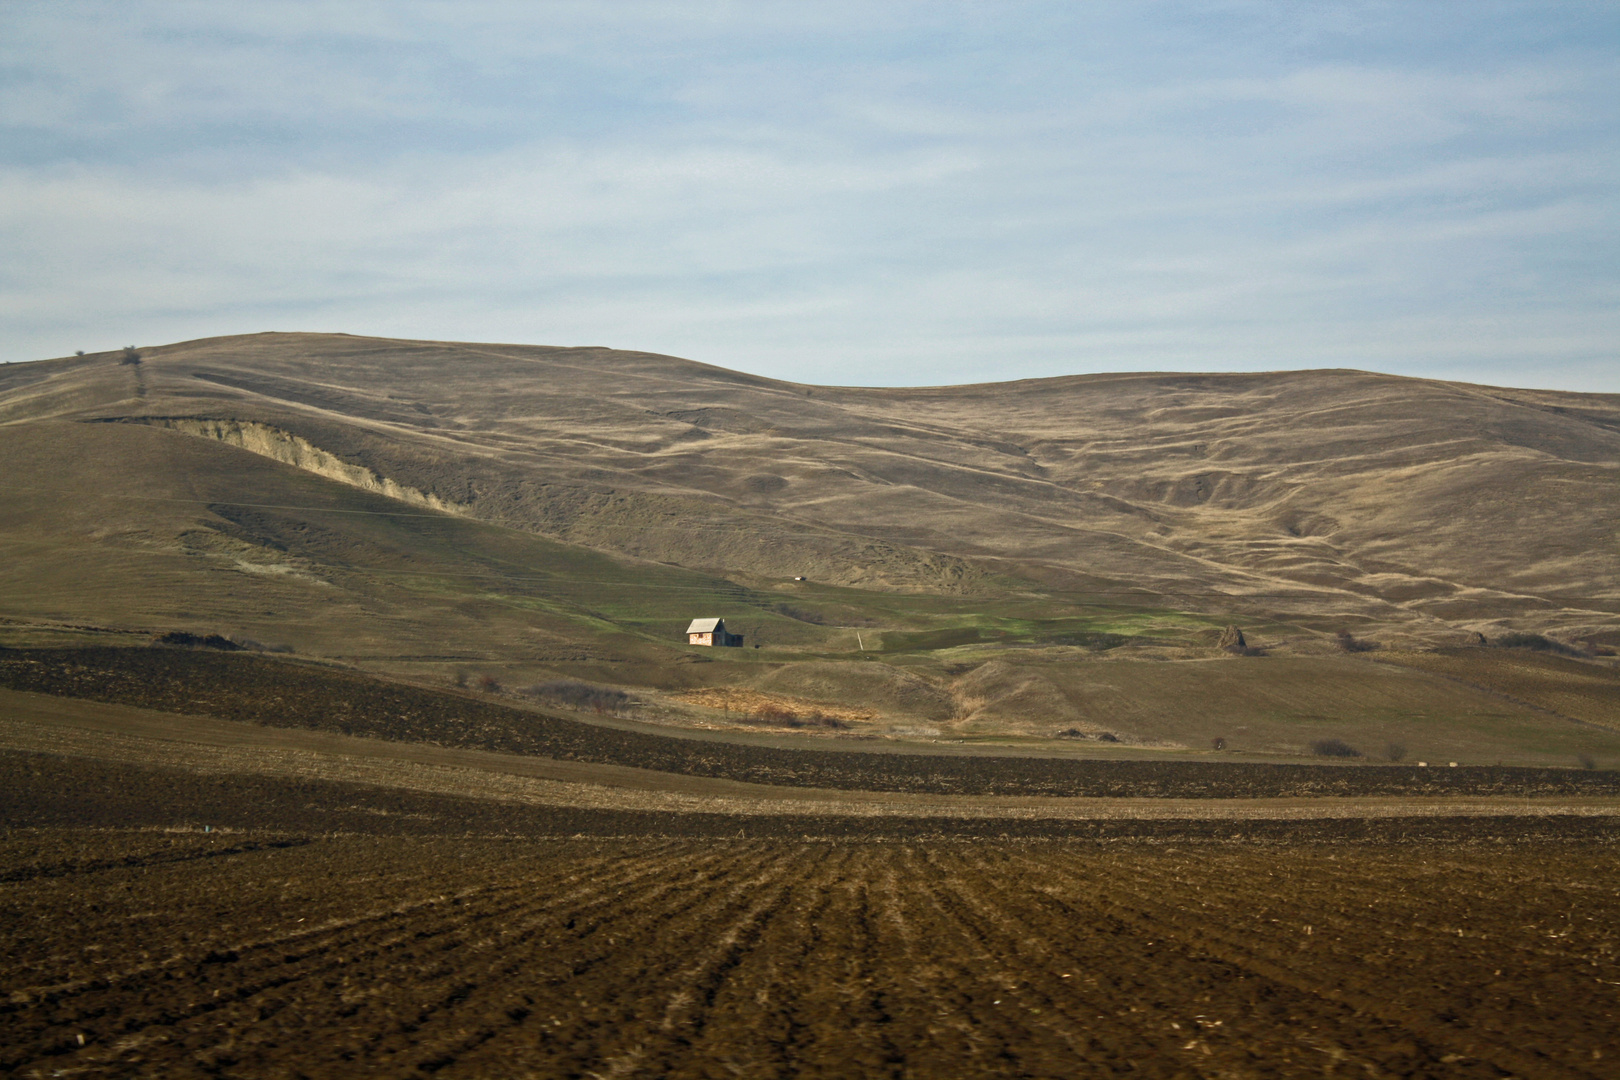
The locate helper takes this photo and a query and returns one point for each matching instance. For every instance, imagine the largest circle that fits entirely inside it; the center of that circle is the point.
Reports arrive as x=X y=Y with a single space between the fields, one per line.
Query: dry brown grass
x=744 y=702
x=1587 y=692
x=1357 y=495
x=1294 y=504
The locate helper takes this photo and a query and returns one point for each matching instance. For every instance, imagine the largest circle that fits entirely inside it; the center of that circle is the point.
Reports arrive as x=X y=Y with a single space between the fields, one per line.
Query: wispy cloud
x=900 y=193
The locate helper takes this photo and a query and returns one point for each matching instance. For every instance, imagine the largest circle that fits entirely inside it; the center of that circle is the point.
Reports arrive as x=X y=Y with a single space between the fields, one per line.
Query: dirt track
x=181 y=955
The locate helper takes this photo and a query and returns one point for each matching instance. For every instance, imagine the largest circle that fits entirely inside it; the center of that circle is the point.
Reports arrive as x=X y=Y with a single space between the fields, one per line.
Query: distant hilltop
x=1420 y=505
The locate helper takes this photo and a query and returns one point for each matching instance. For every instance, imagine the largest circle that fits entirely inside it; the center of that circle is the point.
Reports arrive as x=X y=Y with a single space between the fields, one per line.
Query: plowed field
x=161 y=954
x=266 y=691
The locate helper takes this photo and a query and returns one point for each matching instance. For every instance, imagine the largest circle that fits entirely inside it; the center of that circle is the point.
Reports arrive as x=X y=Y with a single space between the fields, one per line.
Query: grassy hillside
x=1419 y=505
x=1024 y=561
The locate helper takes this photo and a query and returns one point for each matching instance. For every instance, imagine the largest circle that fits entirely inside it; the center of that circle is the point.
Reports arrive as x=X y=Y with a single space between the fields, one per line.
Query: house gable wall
x=718 y=636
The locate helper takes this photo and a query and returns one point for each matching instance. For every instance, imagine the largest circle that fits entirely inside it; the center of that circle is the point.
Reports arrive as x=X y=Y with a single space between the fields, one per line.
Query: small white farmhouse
x=711 y=632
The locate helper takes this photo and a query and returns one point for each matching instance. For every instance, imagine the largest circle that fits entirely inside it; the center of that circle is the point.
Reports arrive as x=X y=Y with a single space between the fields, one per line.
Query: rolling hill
x=427 y=507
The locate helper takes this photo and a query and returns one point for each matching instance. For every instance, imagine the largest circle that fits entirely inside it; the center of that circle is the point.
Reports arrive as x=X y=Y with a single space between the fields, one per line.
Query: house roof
x=704 y=626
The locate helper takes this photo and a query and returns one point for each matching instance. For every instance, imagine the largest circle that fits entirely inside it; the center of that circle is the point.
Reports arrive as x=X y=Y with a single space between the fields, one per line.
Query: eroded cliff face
x=693 y=532
x=290 y=449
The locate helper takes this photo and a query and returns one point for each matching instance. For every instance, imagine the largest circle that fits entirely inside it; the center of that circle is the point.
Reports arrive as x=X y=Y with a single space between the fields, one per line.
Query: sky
x=842 y=193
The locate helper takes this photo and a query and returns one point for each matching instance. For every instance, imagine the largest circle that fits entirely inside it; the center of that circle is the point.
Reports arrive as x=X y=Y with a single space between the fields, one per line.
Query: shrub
x=1536 y=642
x=1394 y=751
x=197 y=641
x=1107 y=736
x=489 y=684
x=259 y=646
x=782 y=716
x=820 y=719
x=1333 y=748
x=131 y=355
x=601 y=700
x=1587 y=761
x=1218 y=743
x=1350 y=643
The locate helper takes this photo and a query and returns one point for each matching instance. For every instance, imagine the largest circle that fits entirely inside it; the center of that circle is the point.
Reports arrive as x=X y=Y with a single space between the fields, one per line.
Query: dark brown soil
x=45 y=790
x=186 y=955
x=259 y=689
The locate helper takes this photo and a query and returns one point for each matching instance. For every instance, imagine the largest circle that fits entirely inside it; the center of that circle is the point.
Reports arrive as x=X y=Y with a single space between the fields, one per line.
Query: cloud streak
x=904 y=194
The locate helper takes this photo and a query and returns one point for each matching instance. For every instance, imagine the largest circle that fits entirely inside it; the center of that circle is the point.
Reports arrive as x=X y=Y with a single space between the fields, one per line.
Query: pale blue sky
x=865 y=193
